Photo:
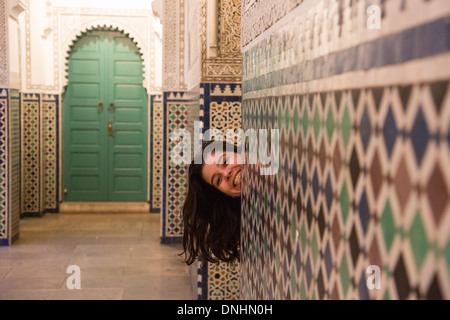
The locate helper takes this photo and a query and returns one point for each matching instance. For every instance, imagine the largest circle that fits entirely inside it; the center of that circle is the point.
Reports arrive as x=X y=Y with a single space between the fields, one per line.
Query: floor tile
x=119 y=255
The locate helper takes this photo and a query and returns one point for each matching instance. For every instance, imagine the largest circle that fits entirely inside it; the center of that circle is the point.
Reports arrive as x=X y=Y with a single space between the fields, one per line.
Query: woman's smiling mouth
x=237 y=179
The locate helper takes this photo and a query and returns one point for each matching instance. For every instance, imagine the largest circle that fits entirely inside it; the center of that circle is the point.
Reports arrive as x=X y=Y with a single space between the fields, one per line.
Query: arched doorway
x=105 y=121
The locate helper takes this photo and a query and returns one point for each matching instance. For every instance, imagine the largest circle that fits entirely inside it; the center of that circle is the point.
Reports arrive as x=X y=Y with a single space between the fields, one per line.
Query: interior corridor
x=119 y=255
x=341 y=109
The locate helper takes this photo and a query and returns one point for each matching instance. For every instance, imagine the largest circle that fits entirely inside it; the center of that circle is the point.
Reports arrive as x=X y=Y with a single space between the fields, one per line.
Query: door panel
x=86 y=91
x=129 y=117
x=105 y=67
x=82 y=123
x=84 y=114
x=85 y=160
x=124 y=161
x=127 y=68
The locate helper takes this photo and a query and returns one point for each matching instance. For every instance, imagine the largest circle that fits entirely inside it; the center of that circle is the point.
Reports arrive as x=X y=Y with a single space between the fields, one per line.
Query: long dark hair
x=211 y=220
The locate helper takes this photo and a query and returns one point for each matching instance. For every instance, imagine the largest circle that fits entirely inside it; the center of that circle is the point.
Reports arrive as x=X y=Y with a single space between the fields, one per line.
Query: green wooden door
x=105 y=121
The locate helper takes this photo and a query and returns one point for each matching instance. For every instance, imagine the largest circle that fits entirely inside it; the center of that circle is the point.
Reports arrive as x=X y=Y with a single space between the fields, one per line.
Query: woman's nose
x=227 y=172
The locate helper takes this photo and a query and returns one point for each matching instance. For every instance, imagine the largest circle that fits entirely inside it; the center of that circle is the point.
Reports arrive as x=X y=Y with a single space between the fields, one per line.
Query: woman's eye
x=224 y=162
x=219 y=181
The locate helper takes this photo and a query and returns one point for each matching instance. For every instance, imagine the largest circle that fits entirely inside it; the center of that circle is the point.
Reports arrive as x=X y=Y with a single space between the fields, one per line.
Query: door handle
x=111 y=107
x=100 y=106
x=110 y=129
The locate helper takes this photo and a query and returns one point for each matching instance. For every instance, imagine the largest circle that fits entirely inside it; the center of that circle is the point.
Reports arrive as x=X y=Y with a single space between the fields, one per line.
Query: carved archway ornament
x=105 y=25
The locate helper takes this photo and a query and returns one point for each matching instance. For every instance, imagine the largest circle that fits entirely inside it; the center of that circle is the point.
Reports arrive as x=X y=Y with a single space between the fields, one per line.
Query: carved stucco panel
x=227 y=67
x=67 y=24
x=173 y=45
x=4 y=69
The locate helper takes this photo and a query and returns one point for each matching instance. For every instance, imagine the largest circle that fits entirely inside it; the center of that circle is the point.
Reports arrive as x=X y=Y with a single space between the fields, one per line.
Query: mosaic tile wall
x=223 y=281
x=180 y=110
x=14 y=162
x=4 y=216
x=220 y=108
x=40 y=153
x=31 y=154
x=156 y=149
x=9 y=166
x=50 y=152
x=364 y=152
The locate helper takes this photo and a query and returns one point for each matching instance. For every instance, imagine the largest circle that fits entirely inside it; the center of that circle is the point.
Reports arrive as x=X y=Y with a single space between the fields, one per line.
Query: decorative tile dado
x=31 y=173
x=50 y=152
x=156 y=163
x=363 y=182
x=218 y=281
x=180 y=110
x=177 y=174
x=4 y=214
x=14 y=159
x=226 y=116
x=221 y=106
x=40 y=153
x=223 y=281
x=364 y=121
x=9 y=166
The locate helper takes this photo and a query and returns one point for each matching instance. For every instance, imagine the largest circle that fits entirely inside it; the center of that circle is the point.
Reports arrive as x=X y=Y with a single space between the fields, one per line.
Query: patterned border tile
x=4 y=214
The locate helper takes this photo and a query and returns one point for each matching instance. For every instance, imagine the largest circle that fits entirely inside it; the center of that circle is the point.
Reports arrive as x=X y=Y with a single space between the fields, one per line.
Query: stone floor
x=119 y=255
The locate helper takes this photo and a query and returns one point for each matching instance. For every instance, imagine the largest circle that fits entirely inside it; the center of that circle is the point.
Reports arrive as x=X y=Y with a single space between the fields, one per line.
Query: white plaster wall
x=104 y=4
x=51 y=26
x=14 y=53
x=14 y=9
x=39 y=49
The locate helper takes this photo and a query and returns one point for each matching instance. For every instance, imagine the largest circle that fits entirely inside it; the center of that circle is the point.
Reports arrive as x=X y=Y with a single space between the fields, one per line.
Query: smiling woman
x=222 y=170
x=211 y=211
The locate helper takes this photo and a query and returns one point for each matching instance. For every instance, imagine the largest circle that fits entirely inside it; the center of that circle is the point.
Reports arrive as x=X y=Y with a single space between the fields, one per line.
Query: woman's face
x=222 y=170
